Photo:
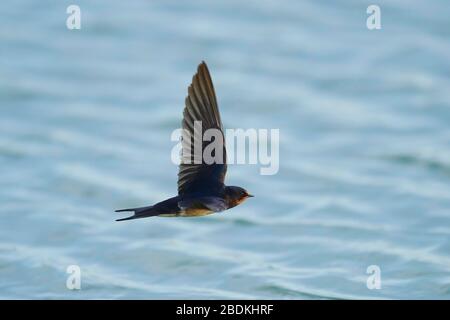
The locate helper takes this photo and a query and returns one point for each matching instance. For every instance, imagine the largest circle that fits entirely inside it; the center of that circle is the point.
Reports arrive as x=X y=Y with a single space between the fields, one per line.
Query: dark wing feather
x=200 y=105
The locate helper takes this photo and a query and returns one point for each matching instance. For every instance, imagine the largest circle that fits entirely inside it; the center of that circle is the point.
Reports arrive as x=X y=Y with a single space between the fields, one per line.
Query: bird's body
x=201 y=188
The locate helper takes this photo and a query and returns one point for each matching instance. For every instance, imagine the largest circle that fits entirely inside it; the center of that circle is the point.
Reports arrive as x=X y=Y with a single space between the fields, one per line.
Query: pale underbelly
x=197 y=212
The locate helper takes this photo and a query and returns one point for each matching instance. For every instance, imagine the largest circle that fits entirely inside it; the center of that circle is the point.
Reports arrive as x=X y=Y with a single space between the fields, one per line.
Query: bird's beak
x=250 y=195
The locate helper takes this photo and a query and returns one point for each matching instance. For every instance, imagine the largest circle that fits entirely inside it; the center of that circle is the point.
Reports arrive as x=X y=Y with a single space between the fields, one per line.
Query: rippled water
x=85 y=123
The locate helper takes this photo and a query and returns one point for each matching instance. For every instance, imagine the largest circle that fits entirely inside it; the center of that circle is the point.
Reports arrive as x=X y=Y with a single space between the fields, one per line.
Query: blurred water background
x=85 y=123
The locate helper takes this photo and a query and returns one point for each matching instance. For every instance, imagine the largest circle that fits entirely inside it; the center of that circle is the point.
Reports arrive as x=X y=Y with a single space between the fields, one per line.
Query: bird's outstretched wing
x=196 y=175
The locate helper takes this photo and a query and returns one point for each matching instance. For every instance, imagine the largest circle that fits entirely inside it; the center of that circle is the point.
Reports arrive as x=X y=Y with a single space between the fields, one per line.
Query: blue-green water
x=85 y=123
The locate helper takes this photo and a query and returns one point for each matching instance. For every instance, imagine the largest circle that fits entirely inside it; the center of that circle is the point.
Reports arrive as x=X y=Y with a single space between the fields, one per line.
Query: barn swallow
x=201 y=188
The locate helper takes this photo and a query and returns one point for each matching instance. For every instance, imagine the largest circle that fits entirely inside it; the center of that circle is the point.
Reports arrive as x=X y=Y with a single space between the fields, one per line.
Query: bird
x=201 y=187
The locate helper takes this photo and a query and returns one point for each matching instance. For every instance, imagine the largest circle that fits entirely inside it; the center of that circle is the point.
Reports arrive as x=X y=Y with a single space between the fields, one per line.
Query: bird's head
x=236 y=195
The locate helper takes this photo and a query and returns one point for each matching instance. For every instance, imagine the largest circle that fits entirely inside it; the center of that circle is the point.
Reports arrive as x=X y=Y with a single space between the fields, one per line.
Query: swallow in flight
x=201 y=188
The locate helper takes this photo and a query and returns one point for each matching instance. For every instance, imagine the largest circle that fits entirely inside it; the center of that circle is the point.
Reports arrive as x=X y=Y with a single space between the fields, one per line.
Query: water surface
x=85 y=123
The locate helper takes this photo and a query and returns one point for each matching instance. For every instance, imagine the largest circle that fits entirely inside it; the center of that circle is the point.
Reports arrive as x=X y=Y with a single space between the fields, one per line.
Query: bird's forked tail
x=141 y=212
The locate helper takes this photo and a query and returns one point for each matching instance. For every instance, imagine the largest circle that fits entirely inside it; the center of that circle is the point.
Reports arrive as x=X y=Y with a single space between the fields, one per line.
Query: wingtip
x=203 y=65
